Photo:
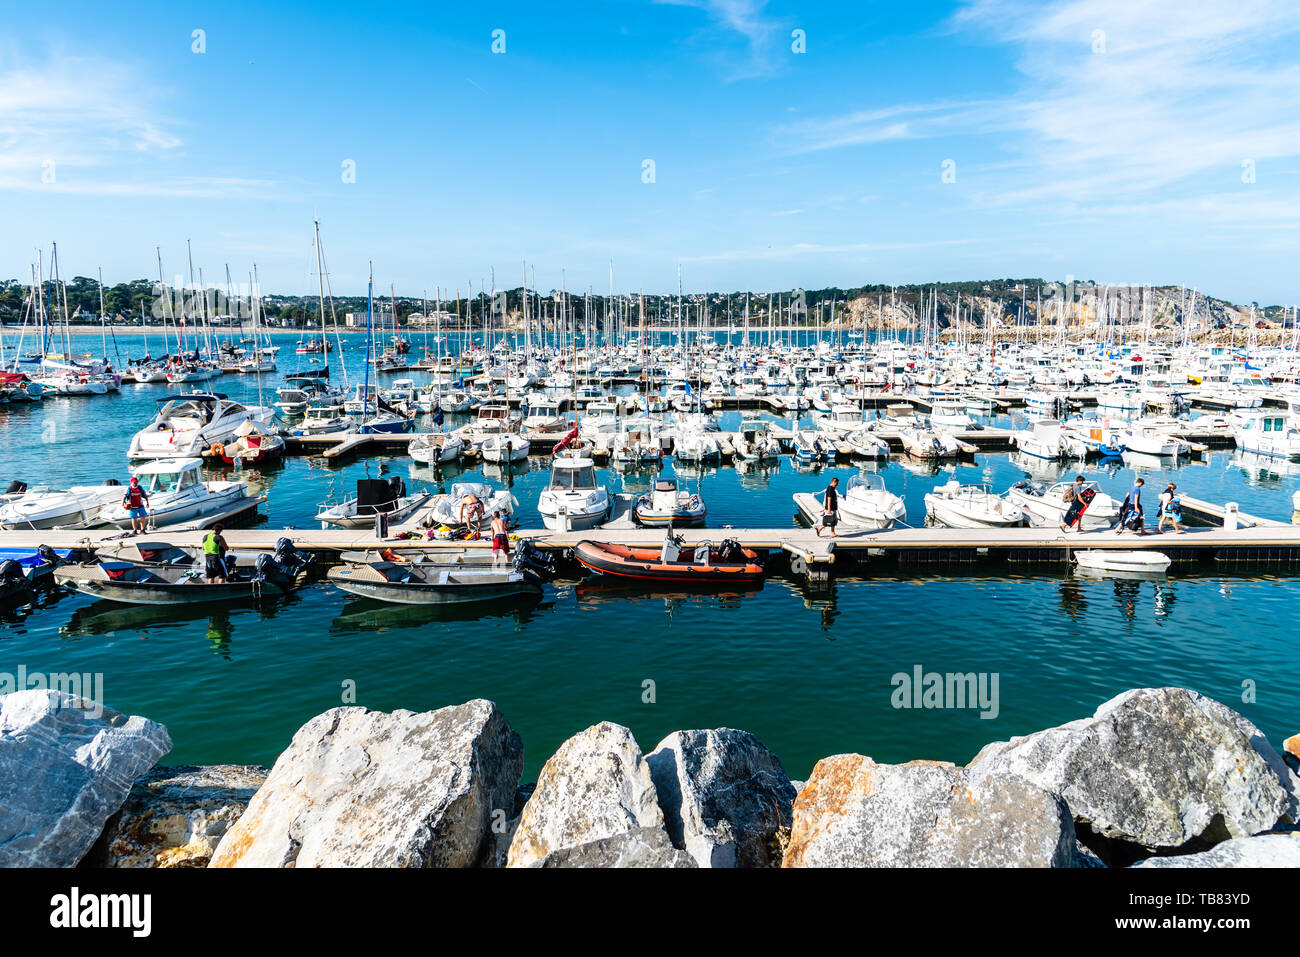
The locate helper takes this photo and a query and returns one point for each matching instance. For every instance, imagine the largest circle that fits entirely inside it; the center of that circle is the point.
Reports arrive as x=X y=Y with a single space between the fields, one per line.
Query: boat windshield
x=570 y=478
x=167 y=482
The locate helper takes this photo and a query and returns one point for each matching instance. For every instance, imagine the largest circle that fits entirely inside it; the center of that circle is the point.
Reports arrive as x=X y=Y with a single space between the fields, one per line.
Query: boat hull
x=643 y=564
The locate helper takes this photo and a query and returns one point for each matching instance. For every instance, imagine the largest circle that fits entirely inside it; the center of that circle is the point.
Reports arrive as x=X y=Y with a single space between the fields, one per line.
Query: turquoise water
x=810 y=674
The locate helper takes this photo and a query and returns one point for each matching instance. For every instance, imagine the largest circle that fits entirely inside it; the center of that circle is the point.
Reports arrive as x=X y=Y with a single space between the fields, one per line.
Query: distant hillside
x=1005 y=302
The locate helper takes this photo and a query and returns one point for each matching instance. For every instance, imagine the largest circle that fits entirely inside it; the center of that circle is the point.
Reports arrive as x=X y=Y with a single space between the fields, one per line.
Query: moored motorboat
x=150 y=584
x=573 y=501
x=971 y=506
x=374 y=497
x=866 y=503
x=435 y=583
x=178 y=495
x=666 y=504
x=41 y=507
x=1123 y=560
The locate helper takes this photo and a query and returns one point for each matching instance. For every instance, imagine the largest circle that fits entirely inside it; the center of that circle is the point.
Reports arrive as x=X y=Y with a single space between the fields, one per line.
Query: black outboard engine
x=47 y=554
x=12 y=579
x=112 y=481
x=290 y=558
x=398 y=487
x=270 y=570
x=530 y=558
x=16 y=488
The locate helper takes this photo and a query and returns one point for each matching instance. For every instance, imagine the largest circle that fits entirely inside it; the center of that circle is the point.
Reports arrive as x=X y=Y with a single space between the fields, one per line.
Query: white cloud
x=1119 y=102
x=89 y=126
x=748 y=19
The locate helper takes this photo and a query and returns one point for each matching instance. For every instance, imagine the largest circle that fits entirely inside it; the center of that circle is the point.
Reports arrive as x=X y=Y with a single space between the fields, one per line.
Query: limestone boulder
x=641 y=847
x=597 y=785
x=1262 y=850
x=66 y=765
x=853 y=812
x=1155 y=770
x=726 y=799
x=361 y=788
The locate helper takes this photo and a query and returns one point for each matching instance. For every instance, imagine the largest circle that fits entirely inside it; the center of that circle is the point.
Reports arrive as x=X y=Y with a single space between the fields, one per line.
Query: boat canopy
x=197 y=396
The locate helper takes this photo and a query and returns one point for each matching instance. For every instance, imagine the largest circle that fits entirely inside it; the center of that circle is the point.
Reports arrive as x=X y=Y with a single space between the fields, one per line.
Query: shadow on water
x=366 y=614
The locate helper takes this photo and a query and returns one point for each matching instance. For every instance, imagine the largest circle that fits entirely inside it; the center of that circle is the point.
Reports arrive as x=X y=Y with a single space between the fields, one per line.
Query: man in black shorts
x=214 y=556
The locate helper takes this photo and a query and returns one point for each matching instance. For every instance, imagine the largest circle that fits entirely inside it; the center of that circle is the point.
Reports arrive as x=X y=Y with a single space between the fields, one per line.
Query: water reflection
x=368 y=615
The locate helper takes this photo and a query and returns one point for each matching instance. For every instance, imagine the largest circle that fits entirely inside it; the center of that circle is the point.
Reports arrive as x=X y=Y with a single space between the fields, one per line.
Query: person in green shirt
x=214 y=555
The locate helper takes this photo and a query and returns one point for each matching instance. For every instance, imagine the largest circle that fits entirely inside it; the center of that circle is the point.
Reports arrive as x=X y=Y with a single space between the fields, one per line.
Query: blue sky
x=1124 y=142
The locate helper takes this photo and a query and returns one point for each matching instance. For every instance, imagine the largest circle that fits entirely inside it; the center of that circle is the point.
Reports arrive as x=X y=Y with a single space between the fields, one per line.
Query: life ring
x=217 y=450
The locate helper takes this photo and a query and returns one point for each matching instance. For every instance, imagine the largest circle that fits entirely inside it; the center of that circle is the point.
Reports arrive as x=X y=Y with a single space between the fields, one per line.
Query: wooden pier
x=811 y=556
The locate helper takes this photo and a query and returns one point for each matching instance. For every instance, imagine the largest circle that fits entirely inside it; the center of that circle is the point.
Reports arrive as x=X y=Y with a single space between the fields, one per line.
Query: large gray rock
x=853 y=812
x=595 y=786
x=360 y=788
x=726 y=799
x=643 y=847
x=66 y=765
x=1263 y=850
x=175 y=817
x=1155 y=769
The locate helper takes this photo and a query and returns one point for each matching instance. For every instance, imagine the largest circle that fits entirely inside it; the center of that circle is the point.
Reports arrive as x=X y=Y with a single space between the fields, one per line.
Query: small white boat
x=374 y=497
x=42 y=507
x=971 y=506
x=666 y=504
x=865 y=444
x=866 y=503
x=1047 y=506
x=929 y=443
x=1119 y=560
x=435 y=448
x=506 y=447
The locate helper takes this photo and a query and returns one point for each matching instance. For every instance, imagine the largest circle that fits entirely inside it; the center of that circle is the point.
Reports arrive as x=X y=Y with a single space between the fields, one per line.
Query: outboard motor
x=47 y=554
x=672 y=549
x=12 y=578
x=529 y=557
x=268 y=569
x=289 y=557
x=16 y=488
x=398 y=487
x=112 y=481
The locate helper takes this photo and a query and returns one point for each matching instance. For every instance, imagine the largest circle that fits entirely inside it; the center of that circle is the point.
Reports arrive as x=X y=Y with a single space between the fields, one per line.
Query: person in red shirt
x=136 y=503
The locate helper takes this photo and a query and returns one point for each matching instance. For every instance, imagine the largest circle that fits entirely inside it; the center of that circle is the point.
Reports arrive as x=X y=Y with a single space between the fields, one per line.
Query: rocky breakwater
x=1161 y=777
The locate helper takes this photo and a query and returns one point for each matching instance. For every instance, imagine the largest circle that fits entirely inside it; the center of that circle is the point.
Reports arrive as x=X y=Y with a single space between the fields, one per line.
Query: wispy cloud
x=749 y=20
x=90 y=126
x=1118 y=102
x=797 y=250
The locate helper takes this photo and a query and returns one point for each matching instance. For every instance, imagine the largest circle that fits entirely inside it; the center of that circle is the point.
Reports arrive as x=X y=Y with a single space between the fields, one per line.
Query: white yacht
x=177 y=494
x=187 y=425
x=1271 y=433
x=41 y=507
x=1047 y=505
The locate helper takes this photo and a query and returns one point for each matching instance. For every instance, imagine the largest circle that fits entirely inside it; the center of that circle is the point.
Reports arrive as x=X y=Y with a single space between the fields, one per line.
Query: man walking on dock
x=1074 y=497
x=830 y=508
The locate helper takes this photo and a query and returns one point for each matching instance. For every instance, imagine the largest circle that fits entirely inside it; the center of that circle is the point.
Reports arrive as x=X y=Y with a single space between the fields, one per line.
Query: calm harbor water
x=810 y=674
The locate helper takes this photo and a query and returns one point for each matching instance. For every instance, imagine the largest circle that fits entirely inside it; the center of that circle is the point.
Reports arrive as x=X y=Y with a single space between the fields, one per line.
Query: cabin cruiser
x=188 y=424
x=841 y=418
x=177 y=495
x=324 y=420
x=971 y=506
x=950 y=412
x=866 y=503
x=1043 y=439
x=1146 y=440
x=1271 y=433
x=253 y=446
x=457 y=400
x=694 y=445
x=637 y=443
x=1047 y=505
x=572 y=501
x=42 y=507
x=666 y=504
